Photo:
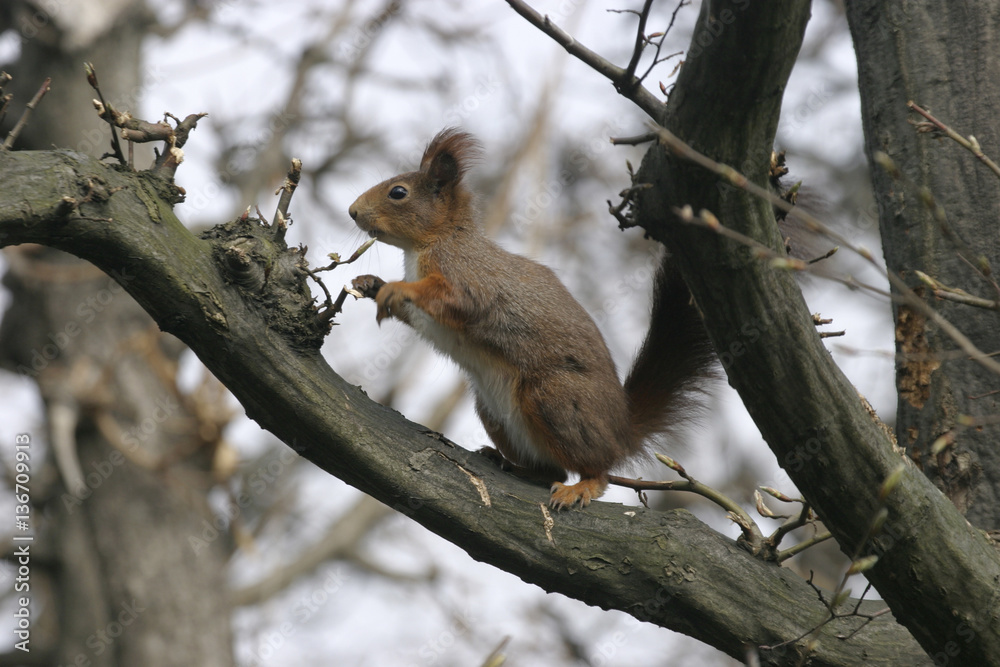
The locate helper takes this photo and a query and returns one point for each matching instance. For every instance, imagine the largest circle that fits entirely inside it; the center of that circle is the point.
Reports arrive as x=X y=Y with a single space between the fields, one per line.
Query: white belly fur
x=494 y=387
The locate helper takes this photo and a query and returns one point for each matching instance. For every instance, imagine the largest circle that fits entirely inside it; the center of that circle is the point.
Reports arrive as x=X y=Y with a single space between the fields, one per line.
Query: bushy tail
x=673 y=360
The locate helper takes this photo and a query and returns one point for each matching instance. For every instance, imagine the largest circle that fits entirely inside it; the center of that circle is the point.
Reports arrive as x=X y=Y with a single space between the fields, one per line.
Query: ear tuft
x=449 y=155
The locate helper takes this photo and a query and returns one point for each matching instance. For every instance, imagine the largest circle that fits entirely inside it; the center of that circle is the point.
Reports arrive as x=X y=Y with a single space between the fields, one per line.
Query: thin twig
x=827 y=255
x=739 y=516
x=625 y=218
x=868 y=619
x=977 y=262
x=804 y=517
x=640 y=41
x=858 y=565
x=338 y=305
x=813 y=224
x=23 y=120
x=658 y=60
x=92 y=80
x=633 y=141
x=940 y=216
x=630 y=89
x=4 y=99
x=983 y=270
x=329 y=298
x=802 y=546
x=833 y=614
x=332 y=307
x=942 y=291
x=659 y=45
x=338 y=262
x=172 y=156
x=778 y=261
x=286 y=191
x=969 y=144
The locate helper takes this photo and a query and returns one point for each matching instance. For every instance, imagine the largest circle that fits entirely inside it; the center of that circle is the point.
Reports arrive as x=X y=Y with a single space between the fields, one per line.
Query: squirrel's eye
x=397 y=192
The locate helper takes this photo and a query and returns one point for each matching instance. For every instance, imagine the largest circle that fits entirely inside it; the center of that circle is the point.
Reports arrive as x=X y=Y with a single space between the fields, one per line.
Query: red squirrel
x=545 y=385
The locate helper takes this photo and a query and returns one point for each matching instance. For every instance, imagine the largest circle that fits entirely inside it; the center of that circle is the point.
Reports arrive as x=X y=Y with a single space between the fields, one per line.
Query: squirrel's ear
x=444 y=169
x=448 y=156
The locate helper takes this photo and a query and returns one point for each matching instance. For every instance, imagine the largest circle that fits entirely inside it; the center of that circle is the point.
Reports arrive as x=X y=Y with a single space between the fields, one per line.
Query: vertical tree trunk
x=942 y=56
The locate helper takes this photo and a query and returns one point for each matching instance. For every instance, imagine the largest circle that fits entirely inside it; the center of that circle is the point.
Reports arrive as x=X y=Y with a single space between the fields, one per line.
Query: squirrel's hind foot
x=567 y=495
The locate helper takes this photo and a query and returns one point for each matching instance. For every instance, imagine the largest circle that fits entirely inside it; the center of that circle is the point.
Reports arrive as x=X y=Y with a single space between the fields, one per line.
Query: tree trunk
x=940 y=56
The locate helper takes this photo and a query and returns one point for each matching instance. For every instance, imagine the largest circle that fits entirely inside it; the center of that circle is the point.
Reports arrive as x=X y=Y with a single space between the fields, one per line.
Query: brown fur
x=546 y=387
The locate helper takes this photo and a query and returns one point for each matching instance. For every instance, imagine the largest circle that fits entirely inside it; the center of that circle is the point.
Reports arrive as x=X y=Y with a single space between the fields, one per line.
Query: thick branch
x=936 y=572
x=665 y=568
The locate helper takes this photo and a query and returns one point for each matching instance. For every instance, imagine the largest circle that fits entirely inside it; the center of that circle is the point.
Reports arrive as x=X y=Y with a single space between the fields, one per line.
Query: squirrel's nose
x=353 y=212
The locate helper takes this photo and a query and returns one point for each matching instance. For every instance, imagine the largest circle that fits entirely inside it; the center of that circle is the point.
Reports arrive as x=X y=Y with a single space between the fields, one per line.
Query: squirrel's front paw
x=390 y=299
x=368 y=285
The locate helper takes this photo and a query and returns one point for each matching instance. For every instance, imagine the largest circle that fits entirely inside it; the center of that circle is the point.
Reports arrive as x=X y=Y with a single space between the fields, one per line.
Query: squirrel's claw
x=368 y=285
x=382 y=312
x=390 y=300
x=385 y=294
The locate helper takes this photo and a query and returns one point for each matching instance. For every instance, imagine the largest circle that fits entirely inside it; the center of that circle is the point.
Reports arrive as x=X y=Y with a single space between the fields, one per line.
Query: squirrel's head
x=412 y=209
